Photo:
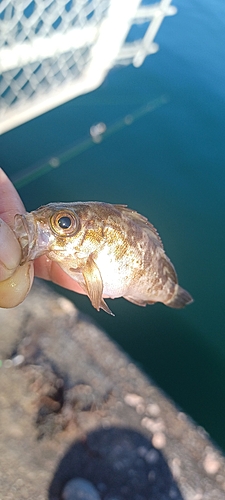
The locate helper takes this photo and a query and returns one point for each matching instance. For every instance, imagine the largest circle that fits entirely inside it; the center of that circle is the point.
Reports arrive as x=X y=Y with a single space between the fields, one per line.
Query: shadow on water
x=172 y=352
x=120 y=463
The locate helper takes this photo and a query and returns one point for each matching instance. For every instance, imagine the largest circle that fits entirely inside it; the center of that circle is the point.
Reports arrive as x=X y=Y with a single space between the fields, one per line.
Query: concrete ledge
x=74 y=406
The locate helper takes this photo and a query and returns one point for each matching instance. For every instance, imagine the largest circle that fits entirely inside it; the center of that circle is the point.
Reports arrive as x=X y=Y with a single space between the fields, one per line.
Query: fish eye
x=64 y=223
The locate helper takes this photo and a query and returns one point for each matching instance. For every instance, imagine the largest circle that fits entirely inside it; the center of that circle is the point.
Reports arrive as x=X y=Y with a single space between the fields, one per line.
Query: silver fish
x=110 y=250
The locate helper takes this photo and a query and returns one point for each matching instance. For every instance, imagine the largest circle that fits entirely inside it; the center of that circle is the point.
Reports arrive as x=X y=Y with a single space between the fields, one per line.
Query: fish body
x=110 y=250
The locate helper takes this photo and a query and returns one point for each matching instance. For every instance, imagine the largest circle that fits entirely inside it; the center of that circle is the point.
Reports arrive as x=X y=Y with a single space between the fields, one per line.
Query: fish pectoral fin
x=105 y=307
x=94 y=285
x=93 y=281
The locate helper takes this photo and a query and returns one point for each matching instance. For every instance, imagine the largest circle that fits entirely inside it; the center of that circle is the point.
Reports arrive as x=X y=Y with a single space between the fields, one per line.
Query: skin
x=16 y=280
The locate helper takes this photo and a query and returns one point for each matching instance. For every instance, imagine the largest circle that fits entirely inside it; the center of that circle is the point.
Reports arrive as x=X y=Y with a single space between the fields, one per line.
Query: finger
x=15 y=282
x=51 y=271
x=10 y=205
x=10 y=251
x=14 y=290
x=10 y=202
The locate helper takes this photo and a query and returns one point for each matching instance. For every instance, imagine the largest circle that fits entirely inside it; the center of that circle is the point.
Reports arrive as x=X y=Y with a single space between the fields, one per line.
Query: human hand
x=16 y=280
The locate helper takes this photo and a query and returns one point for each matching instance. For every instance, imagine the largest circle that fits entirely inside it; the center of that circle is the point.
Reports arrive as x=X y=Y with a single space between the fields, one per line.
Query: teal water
x=168 y=164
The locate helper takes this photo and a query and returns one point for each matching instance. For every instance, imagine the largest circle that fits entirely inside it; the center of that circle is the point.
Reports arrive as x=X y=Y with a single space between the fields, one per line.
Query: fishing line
x=38 y=170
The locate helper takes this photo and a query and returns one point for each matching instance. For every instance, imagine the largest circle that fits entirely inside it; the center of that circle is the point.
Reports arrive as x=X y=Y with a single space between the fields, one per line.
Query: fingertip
x=10 y=251
x=15 y=289
x=10 y=201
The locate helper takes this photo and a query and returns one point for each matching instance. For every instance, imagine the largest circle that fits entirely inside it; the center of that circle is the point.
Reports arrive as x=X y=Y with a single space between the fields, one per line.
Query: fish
x=111 y=250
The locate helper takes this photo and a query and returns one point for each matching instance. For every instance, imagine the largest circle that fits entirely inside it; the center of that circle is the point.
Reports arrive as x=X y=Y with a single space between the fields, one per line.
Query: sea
x=162 y=154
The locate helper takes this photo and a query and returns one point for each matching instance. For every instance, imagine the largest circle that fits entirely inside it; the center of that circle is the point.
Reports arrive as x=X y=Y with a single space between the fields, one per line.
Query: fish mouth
x=25 y=233
x=33 y=241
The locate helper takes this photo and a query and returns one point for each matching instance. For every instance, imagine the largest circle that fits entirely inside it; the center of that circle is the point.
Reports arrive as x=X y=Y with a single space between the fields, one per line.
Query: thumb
x=15 y=280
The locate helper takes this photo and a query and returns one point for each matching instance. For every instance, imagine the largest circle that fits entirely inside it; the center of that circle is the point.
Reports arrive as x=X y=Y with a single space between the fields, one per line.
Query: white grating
x=54 y=50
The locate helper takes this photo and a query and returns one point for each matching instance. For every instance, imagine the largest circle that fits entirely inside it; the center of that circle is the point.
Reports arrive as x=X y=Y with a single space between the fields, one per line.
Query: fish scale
x=110 y=250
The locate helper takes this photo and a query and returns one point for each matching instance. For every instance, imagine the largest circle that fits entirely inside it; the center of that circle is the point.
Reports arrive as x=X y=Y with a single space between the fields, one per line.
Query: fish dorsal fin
x=141 y=219
x=94 y=285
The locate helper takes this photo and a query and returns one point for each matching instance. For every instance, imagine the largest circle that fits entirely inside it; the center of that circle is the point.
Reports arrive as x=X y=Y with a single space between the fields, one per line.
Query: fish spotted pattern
x=110 y=250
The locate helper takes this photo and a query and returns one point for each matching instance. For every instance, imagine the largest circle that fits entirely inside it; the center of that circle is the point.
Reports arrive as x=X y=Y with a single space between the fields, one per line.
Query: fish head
x=49 y=229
